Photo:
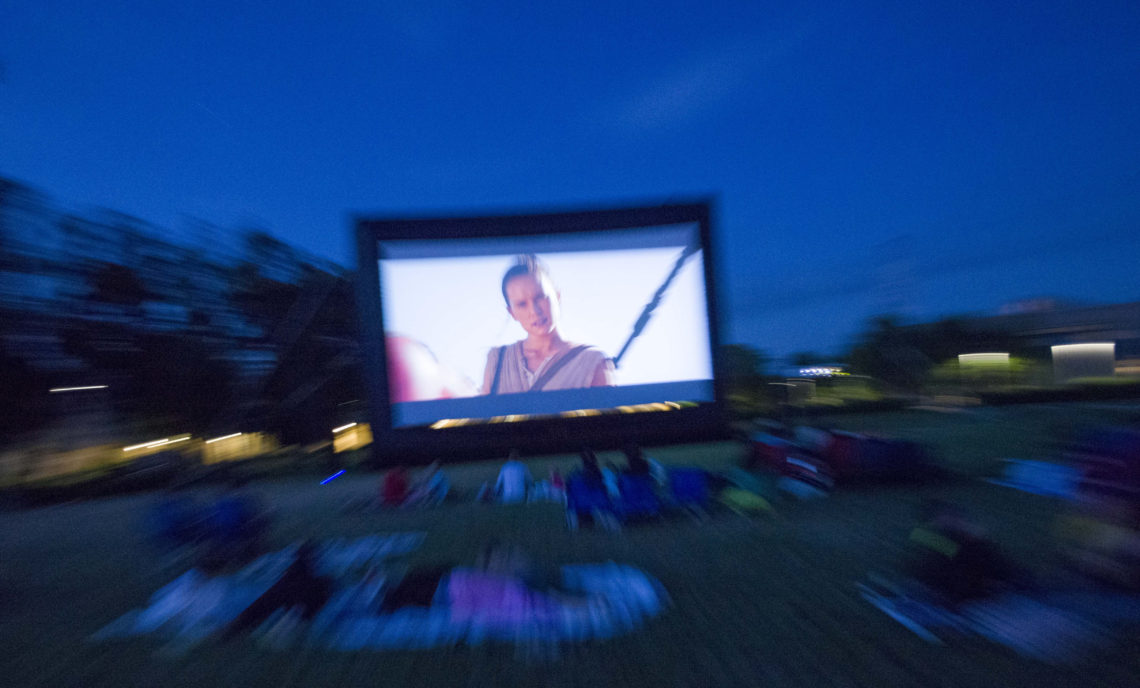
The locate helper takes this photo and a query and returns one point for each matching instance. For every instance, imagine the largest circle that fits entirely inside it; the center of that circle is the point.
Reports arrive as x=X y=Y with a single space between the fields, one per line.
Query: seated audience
x=430 y=488
x=514 y=480
x=953 y=557
x=590 y=470
x=610 y=479
x=557 y=485
x=299 y=588
x=503 y=585
x=176 y=520
x=394 y=487
x=236 y=524
x=638 y=465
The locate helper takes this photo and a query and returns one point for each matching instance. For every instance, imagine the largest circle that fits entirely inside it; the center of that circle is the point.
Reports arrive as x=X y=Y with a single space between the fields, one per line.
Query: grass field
x=765 y=602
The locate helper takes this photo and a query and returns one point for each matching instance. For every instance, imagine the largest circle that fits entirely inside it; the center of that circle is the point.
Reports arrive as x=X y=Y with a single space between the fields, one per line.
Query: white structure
x=1073 y=361
x=995 y=360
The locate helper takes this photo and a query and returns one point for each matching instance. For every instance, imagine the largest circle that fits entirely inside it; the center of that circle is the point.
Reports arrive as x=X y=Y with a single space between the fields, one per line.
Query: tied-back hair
x=526 y=264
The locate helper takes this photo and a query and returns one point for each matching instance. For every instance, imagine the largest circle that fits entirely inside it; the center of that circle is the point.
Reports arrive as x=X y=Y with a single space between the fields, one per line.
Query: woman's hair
x=528 y=264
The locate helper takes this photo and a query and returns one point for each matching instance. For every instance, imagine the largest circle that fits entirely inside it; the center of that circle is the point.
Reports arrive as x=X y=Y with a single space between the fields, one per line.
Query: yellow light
x=1000 y=358
x=360 y=435
x=223 y=437
x=146 y=445
x=343 y=428
x=157 y=443
x=449 y=423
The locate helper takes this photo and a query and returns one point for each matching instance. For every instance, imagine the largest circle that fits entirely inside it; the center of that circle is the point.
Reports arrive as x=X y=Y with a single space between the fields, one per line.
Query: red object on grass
x=394 y=488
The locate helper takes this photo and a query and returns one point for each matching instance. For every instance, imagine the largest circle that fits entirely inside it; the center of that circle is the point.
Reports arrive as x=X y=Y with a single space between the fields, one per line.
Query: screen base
x=548 y=436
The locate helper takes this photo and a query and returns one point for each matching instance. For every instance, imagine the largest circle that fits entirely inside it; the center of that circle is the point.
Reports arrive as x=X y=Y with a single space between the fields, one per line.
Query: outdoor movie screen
x=513 y=327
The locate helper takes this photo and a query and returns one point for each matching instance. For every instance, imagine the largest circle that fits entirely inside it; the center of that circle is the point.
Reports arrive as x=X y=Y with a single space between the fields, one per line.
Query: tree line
x=186 y=337
x=207 y=338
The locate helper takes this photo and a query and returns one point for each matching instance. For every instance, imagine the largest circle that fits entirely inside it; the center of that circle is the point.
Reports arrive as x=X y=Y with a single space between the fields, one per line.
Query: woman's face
x=533 y=303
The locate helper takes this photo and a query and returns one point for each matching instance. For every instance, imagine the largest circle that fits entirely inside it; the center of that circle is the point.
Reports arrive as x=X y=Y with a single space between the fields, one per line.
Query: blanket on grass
x=607 y=600
x=1054 y=626
x=194 y=605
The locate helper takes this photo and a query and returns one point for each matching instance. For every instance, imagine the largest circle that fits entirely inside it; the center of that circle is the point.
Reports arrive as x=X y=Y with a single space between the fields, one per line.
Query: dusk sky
x=933 y=157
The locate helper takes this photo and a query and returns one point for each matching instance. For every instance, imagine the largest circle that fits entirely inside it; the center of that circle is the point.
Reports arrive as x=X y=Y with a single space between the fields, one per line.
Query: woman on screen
x=544 y=360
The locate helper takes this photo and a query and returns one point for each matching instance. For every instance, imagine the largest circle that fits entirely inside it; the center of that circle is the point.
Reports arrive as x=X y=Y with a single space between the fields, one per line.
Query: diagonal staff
x=647 y=312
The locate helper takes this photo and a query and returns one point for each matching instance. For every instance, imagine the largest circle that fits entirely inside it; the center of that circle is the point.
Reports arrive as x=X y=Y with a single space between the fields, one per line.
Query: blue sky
x=938 y=157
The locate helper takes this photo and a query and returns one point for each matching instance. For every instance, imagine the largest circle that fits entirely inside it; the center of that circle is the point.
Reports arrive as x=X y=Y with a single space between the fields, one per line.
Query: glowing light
x=332 y=477
x=1088 y=360
x=816 y=371
x=223 y=437
x=145 y=445
x=343 y=427
x=75 y=389
x=450 y=423
x=157 y=443
x=658 y=406
x=992 y=358
x=1090 y=348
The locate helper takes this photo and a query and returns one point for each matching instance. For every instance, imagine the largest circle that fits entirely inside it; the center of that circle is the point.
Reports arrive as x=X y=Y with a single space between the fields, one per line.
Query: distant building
x=1038 y=305
x=1042 y=326
x=1048 y=325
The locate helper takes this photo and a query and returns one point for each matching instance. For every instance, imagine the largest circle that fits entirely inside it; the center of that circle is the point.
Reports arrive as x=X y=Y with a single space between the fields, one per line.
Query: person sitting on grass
x=588 y=498
x=1101 y=540
x=610 y=480
x=236 y=525
x=176 y=521
x=430 y=488
x=300 y=588
x=503 y=584
x=953 y=558
x=419 y=588
x=557 y=485
x=514 y=480
x=394 y=487
x=638 y=464
x=505 y=587
x=657 y=471
x=590 y=471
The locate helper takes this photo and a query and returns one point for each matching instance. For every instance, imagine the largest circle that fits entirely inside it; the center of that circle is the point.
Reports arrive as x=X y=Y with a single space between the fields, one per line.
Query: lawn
x=755 y=602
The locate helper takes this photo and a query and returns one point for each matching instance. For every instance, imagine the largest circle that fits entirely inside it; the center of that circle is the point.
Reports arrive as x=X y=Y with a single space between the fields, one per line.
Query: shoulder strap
x=556 y=366
x=498 y=371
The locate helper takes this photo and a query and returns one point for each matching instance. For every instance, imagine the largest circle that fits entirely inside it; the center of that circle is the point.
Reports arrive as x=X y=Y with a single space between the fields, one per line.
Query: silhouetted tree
x=807 y=358
x=23 y=398
x=889 y=353
x=117 y=285
x=318 y=362
x=742 y=370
